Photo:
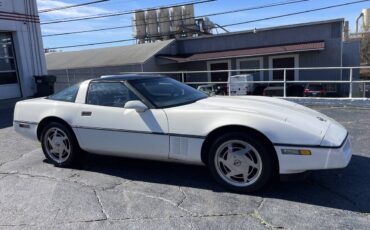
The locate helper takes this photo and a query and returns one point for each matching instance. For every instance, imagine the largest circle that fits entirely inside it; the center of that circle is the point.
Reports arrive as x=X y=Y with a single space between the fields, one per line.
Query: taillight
x=306 y=90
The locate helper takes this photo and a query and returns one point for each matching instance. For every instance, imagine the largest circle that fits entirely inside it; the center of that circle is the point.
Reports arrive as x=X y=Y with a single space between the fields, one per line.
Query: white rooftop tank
x=152 y=25
x=176 y=27
x=139 y=26
x=366 y=23
x=188 y=18
x=164 y=23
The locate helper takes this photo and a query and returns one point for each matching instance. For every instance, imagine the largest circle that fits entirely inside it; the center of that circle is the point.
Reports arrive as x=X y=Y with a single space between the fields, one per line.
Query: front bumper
x=320 y=158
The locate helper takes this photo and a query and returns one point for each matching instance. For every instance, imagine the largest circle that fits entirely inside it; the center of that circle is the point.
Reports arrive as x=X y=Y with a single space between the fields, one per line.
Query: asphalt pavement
x=119 y=193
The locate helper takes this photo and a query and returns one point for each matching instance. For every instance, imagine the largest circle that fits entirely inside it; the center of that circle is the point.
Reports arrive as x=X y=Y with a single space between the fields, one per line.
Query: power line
x=295 y=13
x=92 y=44
x=123 y=12
x=71 y=6
x=207 y=15
x=228 y=25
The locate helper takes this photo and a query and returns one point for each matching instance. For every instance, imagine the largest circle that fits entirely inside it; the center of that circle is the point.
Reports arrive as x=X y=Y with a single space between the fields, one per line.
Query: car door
x=105 y=127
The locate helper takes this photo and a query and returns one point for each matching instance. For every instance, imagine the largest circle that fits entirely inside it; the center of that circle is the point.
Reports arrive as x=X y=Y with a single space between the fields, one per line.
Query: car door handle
x=86 y=113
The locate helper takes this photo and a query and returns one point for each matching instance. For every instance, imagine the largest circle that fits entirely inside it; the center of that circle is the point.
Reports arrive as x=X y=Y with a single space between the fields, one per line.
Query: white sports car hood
x=267 y=106
x=292 y=114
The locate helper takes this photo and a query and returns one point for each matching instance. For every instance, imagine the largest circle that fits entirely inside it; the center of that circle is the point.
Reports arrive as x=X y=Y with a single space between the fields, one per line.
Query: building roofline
x=155 y=54
x=266 y=29
x=98 y=66
x=102 y=48
x=139 y=62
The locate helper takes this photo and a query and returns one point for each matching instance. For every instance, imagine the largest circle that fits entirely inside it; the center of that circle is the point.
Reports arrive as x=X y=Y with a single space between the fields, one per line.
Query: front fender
x=203 y=122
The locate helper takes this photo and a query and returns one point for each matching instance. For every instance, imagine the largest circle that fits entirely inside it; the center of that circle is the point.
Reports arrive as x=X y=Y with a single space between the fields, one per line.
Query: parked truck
x=241 y=84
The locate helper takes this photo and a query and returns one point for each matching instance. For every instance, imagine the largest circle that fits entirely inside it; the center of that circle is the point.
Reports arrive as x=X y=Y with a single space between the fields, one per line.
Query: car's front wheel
x=241 y=162
x=60 y=145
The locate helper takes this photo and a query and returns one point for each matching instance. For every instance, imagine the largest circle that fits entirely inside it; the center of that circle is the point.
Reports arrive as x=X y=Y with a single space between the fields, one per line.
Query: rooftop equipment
x=139 y=26
x=363 y=35
x=189 y=19
x=176 y=21
x=365 y=15
x=164 y=22
x=152 y=25
x=167 y=23
x=206 y=25
x=366 y=22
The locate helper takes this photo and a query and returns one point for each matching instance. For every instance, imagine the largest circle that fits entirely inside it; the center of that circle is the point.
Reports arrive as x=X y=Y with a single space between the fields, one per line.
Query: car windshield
x=166 y=92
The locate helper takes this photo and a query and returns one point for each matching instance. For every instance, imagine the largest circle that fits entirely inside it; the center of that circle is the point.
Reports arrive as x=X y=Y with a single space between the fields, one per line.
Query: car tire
x=60 y=145
x=248 y=168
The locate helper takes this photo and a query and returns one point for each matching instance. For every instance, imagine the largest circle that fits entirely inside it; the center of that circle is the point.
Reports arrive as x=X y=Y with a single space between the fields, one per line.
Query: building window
x=8 y=70
x=218 y=65
x=283 y=61
x=253 y=64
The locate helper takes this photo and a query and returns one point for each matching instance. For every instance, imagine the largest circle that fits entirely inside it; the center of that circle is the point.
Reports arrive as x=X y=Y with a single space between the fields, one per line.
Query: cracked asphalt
x=118 y=193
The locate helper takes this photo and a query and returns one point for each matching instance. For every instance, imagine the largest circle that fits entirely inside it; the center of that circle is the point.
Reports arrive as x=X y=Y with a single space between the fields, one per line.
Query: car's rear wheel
x=241 y=162
x=60 y=146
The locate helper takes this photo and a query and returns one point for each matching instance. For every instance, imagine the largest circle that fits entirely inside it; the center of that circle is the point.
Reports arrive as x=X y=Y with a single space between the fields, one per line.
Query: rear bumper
x=26 y=129
x=320 y=158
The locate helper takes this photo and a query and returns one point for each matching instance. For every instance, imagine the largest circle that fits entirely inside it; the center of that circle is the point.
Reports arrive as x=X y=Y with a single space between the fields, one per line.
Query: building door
x=218 y=76
x=9 y=84
x=252 y=66
x=284 y=62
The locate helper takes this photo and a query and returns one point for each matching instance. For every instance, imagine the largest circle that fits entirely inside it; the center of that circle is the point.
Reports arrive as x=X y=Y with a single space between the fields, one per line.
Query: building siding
x=26 y=33
x=265 y=38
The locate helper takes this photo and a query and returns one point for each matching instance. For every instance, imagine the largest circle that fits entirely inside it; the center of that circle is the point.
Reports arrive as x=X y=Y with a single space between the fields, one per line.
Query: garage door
x=9 y=83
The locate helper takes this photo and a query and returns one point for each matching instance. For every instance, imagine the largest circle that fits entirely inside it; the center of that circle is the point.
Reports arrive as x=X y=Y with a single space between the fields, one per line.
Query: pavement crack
x=104 y=219
x=179 y=217
x=115 y=185
x=105 y=214
x=17 y=225
x=56 y=214
x=184 y=197
x=3 y=176
x=165 y=200
x=256 y=215
x=15 y=173
x=83 y=221
x=21 y=156
x=261 y=204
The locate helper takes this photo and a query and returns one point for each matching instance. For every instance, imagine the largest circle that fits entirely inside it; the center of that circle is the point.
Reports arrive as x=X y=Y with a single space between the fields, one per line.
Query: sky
x=350 y=13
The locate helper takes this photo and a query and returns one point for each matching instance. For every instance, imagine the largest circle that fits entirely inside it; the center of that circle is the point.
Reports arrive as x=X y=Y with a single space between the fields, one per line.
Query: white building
x=21 y=49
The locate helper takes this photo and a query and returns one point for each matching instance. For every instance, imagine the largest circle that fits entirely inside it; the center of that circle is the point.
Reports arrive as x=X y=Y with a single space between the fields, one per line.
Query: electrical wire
x=71 y=6
x=123 y=12
x=295 y=13
x=207 y=15
x=228 y=25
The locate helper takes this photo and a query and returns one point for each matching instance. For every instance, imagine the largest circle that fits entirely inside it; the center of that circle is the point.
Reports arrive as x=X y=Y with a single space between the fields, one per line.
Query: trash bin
x=45 y=85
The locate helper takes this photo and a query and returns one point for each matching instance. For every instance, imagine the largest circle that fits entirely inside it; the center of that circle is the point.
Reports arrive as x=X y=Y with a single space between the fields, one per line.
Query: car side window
x=113 y=94
x=69 y=94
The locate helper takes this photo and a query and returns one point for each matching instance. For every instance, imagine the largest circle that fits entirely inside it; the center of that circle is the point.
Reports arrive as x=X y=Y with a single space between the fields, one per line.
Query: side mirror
x=136 y=105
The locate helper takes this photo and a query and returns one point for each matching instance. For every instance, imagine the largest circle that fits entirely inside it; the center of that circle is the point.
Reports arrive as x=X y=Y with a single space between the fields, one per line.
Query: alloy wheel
x=238 y=163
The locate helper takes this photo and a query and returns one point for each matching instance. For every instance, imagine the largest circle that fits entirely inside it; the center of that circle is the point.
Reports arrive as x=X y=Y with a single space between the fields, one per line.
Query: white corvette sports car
x=244 y=141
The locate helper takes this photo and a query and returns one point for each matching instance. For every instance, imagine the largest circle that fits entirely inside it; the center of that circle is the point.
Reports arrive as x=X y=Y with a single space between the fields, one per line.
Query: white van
x=239 y=84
